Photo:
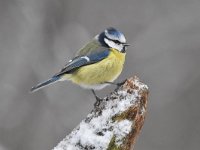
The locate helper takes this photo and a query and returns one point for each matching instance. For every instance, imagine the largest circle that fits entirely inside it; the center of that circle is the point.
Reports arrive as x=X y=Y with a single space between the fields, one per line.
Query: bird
x=95 y=65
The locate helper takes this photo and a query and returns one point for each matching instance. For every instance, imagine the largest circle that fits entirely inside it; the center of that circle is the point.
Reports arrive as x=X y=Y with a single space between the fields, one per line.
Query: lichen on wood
x=114 y=124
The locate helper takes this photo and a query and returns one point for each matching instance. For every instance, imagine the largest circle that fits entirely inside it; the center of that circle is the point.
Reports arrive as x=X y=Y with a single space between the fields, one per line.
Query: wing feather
x=80 y=61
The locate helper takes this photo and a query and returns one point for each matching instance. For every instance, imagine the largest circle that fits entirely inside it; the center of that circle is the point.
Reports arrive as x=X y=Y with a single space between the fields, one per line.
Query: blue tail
x=45 y=83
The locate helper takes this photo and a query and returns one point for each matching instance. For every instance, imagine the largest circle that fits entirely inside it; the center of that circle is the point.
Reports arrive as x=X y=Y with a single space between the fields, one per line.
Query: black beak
x=126 y=44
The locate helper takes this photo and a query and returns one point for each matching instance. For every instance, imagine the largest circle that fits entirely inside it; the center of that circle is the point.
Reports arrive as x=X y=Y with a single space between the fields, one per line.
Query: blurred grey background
x=37 y=37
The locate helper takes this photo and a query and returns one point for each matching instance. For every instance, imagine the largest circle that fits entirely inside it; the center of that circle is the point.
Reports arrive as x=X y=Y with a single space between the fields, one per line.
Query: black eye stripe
x=115 y=41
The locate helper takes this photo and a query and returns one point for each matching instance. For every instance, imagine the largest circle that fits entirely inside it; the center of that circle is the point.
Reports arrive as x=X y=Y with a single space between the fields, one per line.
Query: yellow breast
x=106 y=70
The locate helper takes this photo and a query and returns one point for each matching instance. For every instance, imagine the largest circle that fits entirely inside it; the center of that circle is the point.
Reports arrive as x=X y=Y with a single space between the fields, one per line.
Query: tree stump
x=114 y=124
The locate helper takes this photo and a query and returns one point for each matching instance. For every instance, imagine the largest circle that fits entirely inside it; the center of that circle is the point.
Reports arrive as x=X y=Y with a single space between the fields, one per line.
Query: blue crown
x=114 y=34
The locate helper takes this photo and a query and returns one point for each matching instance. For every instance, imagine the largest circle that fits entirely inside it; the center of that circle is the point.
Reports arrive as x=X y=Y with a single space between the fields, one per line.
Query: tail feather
x=45 y=83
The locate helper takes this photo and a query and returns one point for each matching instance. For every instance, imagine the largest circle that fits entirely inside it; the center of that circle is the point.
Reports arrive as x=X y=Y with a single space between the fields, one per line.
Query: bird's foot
x=98 y=101
x=121 y=83
x=117 y=84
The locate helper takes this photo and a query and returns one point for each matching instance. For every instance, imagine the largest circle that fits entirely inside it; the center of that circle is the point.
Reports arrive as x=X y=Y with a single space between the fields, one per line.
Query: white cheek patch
x=113 y=44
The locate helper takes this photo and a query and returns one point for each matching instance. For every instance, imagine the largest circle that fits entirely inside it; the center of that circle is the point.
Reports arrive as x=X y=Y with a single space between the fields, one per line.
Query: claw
x=98 y=99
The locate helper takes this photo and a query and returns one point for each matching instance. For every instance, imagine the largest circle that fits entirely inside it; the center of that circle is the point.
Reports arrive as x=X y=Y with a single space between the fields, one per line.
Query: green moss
x=120 y=117
x=112 y=145
x=128 y=114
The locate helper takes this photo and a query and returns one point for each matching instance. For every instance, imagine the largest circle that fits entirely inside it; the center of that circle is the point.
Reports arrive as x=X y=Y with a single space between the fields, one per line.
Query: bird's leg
x=98 y=99
x=117 y=84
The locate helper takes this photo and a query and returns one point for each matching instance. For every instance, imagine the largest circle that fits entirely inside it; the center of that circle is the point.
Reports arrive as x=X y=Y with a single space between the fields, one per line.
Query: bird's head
x=113 y=38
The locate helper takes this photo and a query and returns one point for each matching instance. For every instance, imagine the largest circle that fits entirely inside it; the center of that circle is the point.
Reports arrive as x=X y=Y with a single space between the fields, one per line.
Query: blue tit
x=95 y=65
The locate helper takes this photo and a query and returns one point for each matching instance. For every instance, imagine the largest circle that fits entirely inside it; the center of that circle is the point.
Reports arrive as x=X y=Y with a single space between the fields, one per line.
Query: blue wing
x=80 y=61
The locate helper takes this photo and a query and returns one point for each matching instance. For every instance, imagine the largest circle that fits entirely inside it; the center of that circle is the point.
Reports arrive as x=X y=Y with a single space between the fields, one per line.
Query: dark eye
x=117 y=42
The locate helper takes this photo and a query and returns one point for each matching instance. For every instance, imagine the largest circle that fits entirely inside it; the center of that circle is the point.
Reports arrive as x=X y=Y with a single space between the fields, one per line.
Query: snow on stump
x=114 y=124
